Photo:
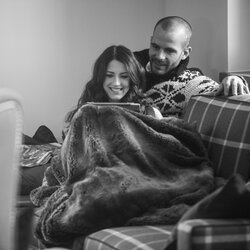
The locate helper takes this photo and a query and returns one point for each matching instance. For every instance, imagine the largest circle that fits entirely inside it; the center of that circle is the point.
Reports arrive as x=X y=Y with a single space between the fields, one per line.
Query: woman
x=117 y=77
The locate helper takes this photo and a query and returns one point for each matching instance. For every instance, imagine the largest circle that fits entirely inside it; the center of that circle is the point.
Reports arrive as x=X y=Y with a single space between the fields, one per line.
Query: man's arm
x=233 y=85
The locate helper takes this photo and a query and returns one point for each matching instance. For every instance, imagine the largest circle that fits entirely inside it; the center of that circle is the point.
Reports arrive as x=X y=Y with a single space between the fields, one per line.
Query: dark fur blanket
x=117 y=167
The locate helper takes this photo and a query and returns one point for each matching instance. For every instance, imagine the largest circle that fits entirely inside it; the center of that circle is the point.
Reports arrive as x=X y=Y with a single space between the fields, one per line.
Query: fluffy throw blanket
x=118 y=167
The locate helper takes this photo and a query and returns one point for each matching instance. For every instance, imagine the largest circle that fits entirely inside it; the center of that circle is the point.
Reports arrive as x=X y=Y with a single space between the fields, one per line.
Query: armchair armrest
x=11 y=125
x=212 y=234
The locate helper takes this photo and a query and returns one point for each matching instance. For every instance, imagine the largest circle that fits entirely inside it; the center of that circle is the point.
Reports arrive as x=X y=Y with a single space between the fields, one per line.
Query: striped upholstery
x=132 y=238
x=224 y=124
x=214 y=234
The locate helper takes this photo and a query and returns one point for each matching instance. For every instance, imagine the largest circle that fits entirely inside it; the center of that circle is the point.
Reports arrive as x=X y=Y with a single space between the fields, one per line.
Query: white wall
x=48 y=47
x=209 y=42
x=238 y=35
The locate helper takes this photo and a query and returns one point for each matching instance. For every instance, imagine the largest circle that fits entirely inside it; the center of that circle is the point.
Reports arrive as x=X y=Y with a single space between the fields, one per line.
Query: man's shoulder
x=195 y=70
x=142 y=56
x=193 y=78
x=190 y=73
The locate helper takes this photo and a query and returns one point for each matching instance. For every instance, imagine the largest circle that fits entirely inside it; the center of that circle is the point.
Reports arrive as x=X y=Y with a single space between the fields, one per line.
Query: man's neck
x=153 y=79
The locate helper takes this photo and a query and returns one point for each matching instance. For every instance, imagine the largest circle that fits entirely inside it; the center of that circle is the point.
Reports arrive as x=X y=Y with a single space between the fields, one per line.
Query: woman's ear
x=186 y=52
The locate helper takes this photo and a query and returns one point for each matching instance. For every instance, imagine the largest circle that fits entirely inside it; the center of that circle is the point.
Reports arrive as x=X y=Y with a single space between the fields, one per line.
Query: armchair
x=10 y=142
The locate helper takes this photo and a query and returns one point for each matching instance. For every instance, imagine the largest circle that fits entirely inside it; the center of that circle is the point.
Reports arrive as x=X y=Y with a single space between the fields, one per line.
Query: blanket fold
x=117 y=166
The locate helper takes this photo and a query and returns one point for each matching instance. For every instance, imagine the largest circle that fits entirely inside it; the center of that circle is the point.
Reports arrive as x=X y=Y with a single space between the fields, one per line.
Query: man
x=169 y=83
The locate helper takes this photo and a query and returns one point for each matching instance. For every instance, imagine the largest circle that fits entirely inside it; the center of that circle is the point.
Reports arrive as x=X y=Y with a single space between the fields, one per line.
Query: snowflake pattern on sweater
x=172 y=96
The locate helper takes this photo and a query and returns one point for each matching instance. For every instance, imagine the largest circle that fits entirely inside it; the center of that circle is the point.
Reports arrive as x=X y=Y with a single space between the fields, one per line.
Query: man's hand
x=232 y=85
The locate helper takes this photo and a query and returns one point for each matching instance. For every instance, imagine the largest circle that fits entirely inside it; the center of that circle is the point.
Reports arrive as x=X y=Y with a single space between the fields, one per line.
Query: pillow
x=27 y=140
x=36 y=155
x=34 y=161
x=44 y=135
x=31 y=178
x=235 y=194
x=224 y=125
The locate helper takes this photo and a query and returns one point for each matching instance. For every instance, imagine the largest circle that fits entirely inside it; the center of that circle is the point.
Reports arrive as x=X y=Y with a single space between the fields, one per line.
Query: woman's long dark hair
x=94 y=91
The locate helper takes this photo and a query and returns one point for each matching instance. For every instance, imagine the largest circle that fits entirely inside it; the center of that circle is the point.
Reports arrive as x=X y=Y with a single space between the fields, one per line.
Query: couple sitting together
x=157 y=77
x=119 y=167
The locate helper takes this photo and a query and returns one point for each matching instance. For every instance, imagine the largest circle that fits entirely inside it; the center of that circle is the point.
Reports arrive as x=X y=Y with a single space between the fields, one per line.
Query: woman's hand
x=153 y=112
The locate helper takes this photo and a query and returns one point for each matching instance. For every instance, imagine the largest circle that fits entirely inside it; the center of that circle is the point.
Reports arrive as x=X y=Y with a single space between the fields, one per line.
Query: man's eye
x=169 y=51
x=154 y=46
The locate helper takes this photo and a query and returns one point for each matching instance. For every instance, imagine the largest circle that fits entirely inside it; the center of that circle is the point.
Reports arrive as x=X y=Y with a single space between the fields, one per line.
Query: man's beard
x=159 y=67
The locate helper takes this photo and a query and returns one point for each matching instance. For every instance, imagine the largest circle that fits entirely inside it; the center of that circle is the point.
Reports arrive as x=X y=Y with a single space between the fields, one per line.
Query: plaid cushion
x=214 y=234
x=133 y=238
x=224 y=124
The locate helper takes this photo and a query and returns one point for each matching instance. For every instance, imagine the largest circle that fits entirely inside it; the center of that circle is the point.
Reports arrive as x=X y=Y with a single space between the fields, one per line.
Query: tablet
x=128 y=105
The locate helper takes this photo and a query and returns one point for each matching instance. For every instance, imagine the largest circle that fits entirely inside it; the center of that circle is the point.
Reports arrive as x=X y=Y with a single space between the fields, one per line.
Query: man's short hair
x=169 y=21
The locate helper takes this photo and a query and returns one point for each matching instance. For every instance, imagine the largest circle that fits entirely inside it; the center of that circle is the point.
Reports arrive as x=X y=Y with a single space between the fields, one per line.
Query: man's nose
x=161 y=55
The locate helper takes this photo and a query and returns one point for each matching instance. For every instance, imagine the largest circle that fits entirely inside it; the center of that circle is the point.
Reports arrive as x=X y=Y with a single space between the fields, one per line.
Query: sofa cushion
x=224 y=124
x=123 y=238
x=222 y=234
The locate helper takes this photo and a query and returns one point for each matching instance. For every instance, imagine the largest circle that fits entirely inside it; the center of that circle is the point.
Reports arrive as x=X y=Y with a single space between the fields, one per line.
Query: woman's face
x=116 y=83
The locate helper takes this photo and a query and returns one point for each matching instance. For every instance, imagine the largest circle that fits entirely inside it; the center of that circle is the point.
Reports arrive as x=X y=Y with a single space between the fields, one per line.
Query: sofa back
x=224 y=125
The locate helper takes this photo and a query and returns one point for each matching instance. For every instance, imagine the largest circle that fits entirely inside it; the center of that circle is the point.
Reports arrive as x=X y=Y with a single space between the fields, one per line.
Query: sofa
x=224 y=125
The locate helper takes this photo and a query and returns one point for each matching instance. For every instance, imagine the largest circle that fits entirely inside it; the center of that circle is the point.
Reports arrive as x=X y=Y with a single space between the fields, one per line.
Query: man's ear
x=186 y=52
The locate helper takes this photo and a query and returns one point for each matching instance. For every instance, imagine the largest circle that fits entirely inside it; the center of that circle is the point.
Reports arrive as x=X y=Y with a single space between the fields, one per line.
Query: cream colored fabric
x=11 y=125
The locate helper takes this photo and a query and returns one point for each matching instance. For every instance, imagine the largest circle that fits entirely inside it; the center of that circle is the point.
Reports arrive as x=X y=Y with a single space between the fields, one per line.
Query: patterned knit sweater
x=171 y=93
x=172 y=96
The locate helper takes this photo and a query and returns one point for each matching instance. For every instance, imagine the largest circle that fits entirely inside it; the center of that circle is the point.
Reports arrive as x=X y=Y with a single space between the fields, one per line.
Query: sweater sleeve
x=200 y=85
x=247 y=84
